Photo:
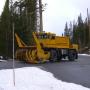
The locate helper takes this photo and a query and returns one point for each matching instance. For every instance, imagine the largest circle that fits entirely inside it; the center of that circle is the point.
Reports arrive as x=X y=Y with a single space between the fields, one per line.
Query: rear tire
x=76 y=54
x=71 y=55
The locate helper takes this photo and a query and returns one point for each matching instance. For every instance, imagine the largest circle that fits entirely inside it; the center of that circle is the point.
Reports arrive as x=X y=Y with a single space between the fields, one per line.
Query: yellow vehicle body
x=58 y=42
x=75 y=46
x=48 y=47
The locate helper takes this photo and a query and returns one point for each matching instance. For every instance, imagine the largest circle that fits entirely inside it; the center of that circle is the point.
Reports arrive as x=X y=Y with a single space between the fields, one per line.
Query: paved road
x=74 y=72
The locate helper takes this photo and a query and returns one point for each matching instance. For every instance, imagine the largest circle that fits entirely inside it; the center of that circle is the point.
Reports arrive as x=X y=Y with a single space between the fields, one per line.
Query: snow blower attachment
x=48 y=47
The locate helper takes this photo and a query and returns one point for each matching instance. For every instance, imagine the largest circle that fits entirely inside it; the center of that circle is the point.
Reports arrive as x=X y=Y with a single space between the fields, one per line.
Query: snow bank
x=32 y=78
x=84 y=54
x=3 y=60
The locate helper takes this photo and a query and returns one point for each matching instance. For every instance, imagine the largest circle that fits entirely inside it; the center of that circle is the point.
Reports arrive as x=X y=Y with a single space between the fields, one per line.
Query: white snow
x=2 y=60
x=32 y=78
x=84 y=54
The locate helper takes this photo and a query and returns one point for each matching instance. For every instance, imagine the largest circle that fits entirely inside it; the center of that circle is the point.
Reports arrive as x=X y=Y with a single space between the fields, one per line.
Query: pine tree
x=23 y=14
x=80 y=31
x=66 y=30
x=4 y=29
x=70 y=30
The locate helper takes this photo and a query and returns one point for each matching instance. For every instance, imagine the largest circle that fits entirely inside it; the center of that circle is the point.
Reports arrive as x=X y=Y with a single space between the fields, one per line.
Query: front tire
x=53 y=55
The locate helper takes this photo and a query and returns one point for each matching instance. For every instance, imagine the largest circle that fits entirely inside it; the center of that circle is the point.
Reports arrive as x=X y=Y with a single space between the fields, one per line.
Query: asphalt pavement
x=73 y=72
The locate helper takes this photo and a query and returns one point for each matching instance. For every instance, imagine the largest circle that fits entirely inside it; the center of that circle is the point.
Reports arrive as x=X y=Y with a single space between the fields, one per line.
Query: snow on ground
x=84 y=54
x=3 y=60
x=32 y=78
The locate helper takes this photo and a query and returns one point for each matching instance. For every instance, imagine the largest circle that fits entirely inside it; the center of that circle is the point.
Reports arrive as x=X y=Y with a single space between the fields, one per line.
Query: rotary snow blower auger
x=31 y=54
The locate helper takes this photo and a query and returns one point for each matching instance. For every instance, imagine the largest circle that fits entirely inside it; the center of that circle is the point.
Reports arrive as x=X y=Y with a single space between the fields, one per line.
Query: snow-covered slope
x=32 y=78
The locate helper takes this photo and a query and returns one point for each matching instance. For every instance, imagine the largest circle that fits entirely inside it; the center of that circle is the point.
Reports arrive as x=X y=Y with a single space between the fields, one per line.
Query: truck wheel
x=71 y=56
x=76 y=55
x=59 y=55
x=53 y=55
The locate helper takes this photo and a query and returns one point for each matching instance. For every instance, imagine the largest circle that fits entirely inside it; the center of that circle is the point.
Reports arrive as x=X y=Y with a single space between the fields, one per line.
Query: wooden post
x=13 y=58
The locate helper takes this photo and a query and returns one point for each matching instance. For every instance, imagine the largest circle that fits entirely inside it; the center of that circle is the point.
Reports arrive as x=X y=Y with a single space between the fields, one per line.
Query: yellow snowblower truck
x=48 y=47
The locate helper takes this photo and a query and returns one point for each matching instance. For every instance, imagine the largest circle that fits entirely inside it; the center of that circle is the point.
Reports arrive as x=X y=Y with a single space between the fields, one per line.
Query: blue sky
x=59 y=11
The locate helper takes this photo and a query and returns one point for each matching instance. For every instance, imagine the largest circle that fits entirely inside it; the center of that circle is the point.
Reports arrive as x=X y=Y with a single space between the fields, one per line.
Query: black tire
x=76 y=55
x=71 y=55
x=53 y=55
x=59 y=55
